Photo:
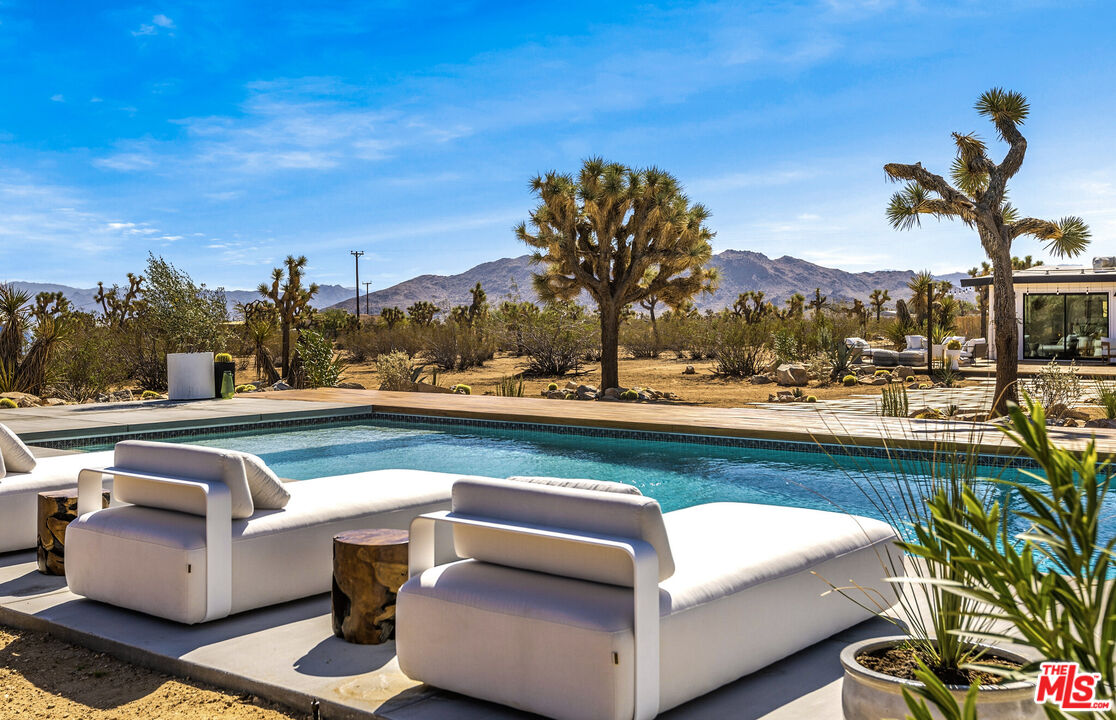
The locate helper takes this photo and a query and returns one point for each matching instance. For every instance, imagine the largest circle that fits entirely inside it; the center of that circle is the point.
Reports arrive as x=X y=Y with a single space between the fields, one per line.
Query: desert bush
x=458 y=345
x=86 y=368
x=1055 y=388
x=699 y=337
x=788 y=342
x=740 y=348
x=557 y=340
x=332 y=322
x=370 y=342
x=397 y=371
x=317 y=363
x=638 y=338
x=838 y=356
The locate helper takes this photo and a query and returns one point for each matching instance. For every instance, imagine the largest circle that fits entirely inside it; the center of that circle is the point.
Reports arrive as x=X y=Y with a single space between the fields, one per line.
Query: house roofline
x=1032 y=279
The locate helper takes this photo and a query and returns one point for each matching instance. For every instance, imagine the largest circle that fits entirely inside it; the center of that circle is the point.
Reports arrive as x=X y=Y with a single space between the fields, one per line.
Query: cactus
x=629 y=395
x=150 y=395
x=849 y=380
x=552 y=387
x=245 y=388
x=462 y=389
x=953 y=345
x=222 y=358
x=882 y=373
x=8 y=403
x=811 y=398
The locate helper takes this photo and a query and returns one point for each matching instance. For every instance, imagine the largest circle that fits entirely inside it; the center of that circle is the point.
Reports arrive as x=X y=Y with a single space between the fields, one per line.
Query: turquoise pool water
x=677 y=474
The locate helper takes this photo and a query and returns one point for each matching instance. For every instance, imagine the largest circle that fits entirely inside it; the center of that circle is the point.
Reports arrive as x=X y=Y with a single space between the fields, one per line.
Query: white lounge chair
x=581 y=604
x=23 y=477
x=212 y=532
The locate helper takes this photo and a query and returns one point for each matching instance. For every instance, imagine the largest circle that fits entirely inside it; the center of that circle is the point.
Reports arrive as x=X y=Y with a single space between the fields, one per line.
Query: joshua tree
x=392 y=316
x=750 y=306
x=291 y=299
x=877 y=299
x=859 y=311
x=422 y=313
x=922 y=297
x=819 y=303
x=982 y=295
x=604 y=231
x=977 y=197
x=1024 y=262
x=796 y=304
x=116 y=309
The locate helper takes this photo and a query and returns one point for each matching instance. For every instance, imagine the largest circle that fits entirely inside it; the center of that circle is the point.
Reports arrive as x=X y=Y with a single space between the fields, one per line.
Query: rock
x=54 y=402
x=586 y=392
x=791 y=375
x=24 y=400
x=689 y=370
x=554 y=394
x=284 y=386
x=1069 y=422
x=873 y=380
x=759 y=379
x=611 y=394
x=903 y=372
x=572 y=385
x=1101 y=423
x=609 y=398
x=349 y=386
x=645 y=396
x=122 y=396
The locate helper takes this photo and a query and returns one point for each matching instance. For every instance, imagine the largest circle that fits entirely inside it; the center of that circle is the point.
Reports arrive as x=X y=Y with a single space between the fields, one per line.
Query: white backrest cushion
x=3 y=469
x=268 y=492
x=17 y=457
x=588 y=512
x=191 y=462
x=580 y=483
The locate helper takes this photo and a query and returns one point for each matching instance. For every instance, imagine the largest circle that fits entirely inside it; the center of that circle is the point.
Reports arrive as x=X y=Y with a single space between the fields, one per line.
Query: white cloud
x=163 y=21
x=158 y=23
x=58 y=98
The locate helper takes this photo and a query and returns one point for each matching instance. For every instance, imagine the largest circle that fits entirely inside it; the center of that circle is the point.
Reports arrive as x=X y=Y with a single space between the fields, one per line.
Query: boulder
x=1060 y=410
x=572 y=385
x=1101 y=423
x=759 y=379
x=284 y=386
x=612 y=394
x=24 y=400
x=349 y=386
x=792 y=375
x=903 y=372
x=689 y=370
x=53 y=402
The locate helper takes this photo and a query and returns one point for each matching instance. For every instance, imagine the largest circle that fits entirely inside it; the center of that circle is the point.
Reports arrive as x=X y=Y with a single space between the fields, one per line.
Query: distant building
x=1063 y=311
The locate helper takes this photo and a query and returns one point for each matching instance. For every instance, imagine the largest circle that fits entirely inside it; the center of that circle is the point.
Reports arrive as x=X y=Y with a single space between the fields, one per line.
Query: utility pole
x=356 y=259
x=367 y=284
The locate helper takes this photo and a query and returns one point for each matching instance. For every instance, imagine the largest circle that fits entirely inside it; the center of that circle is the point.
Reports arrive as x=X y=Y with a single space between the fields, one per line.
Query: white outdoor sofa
x=207 y=532
x=23 y=477
x=581 y=604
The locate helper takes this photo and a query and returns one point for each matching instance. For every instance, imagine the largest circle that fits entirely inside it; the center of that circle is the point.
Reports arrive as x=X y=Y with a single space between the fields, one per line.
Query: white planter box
x=189 y=376
x=954 y=357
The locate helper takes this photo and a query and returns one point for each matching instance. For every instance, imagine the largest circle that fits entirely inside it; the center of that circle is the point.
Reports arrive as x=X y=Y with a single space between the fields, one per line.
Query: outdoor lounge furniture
x=579 y=604
x=974 y=349
x=208 y=532
x=915 y=342
x=23 y=477
x=912 y=358
x=885 y=358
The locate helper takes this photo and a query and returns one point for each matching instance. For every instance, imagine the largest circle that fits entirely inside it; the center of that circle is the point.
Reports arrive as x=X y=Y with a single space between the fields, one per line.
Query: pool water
x=677 y=474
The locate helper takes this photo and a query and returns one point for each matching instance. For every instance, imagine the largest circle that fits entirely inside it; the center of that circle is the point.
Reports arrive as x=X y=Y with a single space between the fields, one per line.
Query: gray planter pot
x=869 y=695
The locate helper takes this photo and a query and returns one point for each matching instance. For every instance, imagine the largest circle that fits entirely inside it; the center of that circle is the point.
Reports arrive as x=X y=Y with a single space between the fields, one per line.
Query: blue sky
x=226 y=135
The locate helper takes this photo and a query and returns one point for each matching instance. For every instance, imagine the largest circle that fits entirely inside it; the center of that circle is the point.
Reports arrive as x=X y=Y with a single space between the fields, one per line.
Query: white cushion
x=18 y=458
x=742 y=597
x=203 y=464
x=580 y=483
x=154 y=560
x=268 y=491
x=586 y=511
x=3 y=468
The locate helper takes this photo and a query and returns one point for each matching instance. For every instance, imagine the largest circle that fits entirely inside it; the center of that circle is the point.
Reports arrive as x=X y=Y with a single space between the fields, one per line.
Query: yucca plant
x=1065 y=610
x=1106 y=398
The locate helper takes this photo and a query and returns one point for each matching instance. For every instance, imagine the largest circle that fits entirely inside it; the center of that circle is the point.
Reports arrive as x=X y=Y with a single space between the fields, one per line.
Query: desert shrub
x=849 y=380
x=88 y=368
x=462 y=389
x=699 y=337
x=893 y=401
x=512 y=387
x=1055 y=388
x=638 y=338
x=370 y=342
x=838 y=356
x=458 y=345
x=1106 y=398
x=318 y=364
x=8 y=403
x=788 y=344
x=740 y=348
x=332 y=322
x=557 y=340
x=397 y=371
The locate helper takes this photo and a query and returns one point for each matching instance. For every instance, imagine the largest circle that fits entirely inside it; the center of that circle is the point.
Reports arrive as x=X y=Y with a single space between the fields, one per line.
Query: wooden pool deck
x=763 y=423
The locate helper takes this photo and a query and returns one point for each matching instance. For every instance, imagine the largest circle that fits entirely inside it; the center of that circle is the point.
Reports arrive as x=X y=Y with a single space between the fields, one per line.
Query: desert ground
x=41 y=677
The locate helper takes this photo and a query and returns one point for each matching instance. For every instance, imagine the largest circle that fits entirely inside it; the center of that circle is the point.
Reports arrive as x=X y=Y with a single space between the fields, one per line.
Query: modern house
x=1063 y=311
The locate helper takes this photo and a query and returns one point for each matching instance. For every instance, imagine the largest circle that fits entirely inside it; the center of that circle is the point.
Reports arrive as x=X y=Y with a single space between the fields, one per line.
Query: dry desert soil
x=41 y=677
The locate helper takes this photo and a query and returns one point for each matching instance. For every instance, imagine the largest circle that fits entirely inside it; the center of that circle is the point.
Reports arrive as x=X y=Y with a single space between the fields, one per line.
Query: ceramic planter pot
x=190 y=376
x=869 y=695
x=219 y=370
x=954 y=358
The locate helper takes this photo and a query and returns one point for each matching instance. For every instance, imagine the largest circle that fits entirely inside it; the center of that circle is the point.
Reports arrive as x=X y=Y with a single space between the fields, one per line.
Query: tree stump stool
x=369 y=567
x=56 y=509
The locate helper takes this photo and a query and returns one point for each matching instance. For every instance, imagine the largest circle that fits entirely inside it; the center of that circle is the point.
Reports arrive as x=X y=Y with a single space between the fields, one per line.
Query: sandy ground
x=41 y=677
x=663 y=374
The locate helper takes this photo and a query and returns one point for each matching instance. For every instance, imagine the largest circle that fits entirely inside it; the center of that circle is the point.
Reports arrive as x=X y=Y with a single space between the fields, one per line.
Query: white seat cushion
x=19 y=494
x=742 y=596
x=18 y=458
x=153 y=560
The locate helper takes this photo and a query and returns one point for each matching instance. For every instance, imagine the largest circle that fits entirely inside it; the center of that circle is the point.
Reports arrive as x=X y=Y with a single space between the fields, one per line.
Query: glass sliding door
x=1064 y=326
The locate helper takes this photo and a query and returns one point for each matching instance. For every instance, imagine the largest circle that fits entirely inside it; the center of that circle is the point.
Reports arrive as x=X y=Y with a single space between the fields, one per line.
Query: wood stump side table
x=56 y=509
x=369 y=567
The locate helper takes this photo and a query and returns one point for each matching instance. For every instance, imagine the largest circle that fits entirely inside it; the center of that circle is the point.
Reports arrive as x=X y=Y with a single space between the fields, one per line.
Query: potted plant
x=190 y=375
x=938 y=629
x=222 y=363
x=953 y=353
x=1041 y=565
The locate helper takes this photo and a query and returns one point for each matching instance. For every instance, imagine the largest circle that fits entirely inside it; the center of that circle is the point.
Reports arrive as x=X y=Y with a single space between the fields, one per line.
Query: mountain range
x=510 y=278
x=741 y=270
